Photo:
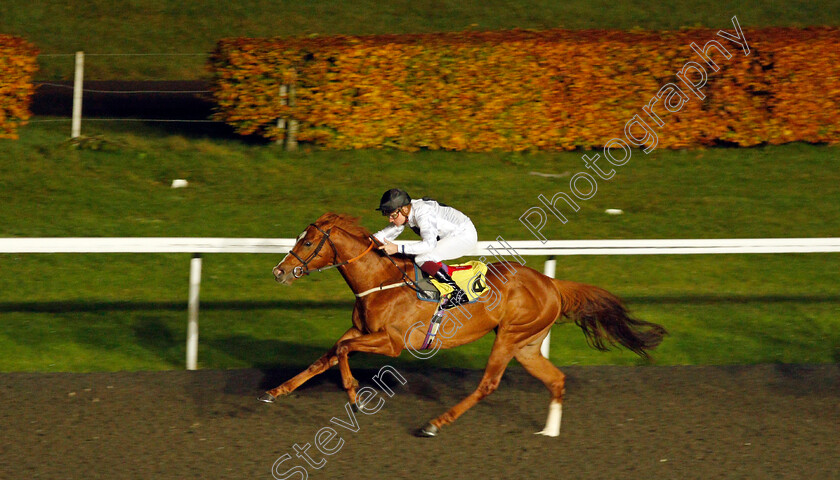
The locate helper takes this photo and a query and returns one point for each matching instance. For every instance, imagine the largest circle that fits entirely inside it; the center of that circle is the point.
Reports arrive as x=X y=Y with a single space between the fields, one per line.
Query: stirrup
x=455 y=298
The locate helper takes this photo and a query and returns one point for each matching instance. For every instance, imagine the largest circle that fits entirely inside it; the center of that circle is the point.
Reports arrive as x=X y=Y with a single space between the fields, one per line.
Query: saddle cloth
x=469 y=276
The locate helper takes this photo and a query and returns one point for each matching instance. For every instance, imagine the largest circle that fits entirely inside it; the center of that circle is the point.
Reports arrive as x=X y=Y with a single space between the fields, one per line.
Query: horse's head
x=319 y=245
x=314 y=249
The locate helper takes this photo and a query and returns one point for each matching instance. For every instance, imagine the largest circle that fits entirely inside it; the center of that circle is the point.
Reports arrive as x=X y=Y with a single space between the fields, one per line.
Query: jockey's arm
x=389 y=233
x=427 y=225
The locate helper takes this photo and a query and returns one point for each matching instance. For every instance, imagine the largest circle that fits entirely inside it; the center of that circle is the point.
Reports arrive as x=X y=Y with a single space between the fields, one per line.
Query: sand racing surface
x=751 y=422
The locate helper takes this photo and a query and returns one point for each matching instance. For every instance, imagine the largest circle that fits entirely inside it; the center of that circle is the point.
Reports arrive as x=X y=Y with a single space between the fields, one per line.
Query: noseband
x=303 y=269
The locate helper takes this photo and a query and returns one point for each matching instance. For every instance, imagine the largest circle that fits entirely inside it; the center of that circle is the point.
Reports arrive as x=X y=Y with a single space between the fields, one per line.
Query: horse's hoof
x=267 y=398
x=354 y=407
x=428 y=431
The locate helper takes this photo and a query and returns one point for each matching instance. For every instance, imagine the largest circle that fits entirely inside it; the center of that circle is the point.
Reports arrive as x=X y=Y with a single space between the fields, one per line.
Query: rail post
x=192 y=314
x=76 y=125
x=550 y=266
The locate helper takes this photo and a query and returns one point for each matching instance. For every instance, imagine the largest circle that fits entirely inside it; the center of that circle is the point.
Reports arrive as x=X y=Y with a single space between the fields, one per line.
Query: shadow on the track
x=727 y=299
x=94 y=305
x=97 y=306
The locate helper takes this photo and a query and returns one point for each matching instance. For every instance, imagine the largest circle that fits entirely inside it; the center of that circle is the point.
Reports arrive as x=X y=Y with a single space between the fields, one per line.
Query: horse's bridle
x=303 y=269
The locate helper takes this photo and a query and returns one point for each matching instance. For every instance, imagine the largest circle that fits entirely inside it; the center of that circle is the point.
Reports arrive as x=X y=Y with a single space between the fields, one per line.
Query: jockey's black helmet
x=392 y=200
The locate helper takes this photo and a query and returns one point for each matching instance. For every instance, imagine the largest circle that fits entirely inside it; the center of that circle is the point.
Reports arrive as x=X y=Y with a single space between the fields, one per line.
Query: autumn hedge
x=17 y=66
x=525 y=90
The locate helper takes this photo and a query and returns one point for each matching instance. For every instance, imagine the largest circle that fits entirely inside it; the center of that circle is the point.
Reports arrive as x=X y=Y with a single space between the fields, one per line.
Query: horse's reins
x=302 y=270
x=408 y=282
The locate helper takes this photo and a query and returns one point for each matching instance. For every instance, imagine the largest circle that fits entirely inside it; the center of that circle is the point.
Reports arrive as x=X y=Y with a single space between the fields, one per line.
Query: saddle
x=469 y=276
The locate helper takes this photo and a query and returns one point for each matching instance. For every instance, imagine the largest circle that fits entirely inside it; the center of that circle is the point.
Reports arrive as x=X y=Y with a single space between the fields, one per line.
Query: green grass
x=89 y=312
x=127 y=312
x=161 y=26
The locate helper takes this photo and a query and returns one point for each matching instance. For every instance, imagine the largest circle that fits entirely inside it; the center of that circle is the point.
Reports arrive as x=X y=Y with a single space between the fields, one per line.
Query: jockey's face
x=397 y=217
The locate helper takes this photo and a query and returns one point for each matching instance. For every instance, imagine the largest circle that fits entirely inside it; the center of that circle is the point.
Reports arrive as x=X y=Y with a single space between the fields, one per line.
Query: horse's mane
x=345 y=222
x=350 y=225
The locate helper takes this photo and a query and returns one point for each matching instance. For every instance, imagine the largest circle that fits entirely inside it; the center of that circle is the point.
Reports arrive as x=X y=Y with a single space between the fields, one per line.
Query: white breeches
x=451 y=247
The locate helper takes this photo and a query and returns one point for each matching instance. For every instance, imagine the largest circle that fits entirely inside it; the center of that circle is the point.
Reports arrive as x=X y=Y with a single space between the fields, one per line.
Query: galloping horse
x=525 y=305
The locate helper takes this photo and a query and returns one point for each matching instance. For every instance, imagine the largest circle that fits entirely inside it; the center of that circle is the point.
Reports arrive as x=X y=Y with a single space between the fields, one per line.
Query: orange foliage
x=525 y=90
x=17 y=66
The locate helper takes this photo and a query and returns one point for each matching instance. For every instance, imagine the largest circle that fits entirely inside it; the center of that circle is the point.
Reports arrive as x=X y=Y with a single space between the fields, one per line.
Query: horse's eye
x=307 y=243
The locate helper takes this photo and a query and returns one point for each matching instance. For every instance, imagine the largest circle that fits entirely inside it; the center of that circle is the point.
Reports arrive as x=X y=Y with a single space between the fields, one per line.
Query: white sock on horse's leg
x=552 y=423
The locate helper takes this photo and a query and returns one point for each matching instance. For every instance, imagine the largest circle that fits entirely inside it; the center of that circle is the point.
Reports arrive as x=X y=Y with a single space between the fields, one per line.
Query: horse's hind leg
x=320 y=366
x=539 y=366
x=500 y=356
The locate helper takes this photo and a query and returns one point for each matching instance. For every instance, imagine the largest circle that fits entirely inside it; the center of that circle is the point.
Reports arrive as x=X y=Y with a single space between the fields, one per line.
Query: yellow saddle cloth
x=469 y=276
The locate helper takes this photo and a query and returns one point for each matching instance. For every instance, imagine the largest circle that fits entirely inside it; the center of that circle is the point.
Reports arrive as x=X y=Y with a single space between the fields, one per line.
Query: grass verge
x=90 y=312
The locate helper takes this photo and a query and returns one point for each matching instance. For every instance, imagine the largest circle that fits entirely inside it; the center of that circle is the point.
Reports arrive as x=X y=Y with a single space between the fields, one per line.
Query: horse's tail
x=604 y=319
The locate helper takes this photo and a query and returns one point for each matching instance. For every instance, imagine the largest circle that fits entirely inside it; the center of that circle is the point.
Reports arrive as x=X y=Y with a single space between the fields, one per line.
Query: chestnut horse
x=521 y=307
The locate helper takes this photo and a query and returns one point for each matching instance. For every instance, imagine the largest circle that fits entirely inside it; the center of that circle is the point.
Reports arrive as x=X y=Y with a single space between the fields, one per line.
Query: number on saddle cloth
x=469 y=276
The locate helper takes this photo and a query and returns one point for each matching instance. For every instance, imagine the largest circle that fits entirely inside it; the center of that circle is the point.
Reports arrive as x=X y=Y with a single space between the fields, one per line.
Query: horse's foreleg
x=380 y=343
x=320 y=366
x=500 y=356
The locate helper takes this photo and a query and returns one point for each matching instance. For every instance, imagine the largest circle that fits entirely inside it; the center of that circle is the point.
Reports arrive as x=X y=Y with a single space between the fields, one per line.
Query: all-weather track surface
x=728 y=422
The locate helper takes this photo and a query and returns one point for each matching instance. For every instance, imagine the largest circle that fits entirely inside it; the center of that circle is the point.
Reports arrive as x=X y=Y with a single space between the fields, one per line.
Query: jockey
x=445 y=234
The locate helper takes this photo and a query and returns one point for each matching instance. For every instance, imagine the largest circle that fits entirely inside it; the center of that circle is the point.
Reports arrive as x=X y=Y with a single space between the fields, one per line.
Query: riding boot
x=457 y=296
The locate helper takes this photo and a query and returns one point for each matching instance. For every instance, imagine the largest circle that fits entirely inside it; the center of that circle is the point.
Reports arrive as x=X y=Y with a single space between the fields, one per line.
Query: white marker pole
x=192 y=315
x=76 y=128
x=550 y=266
